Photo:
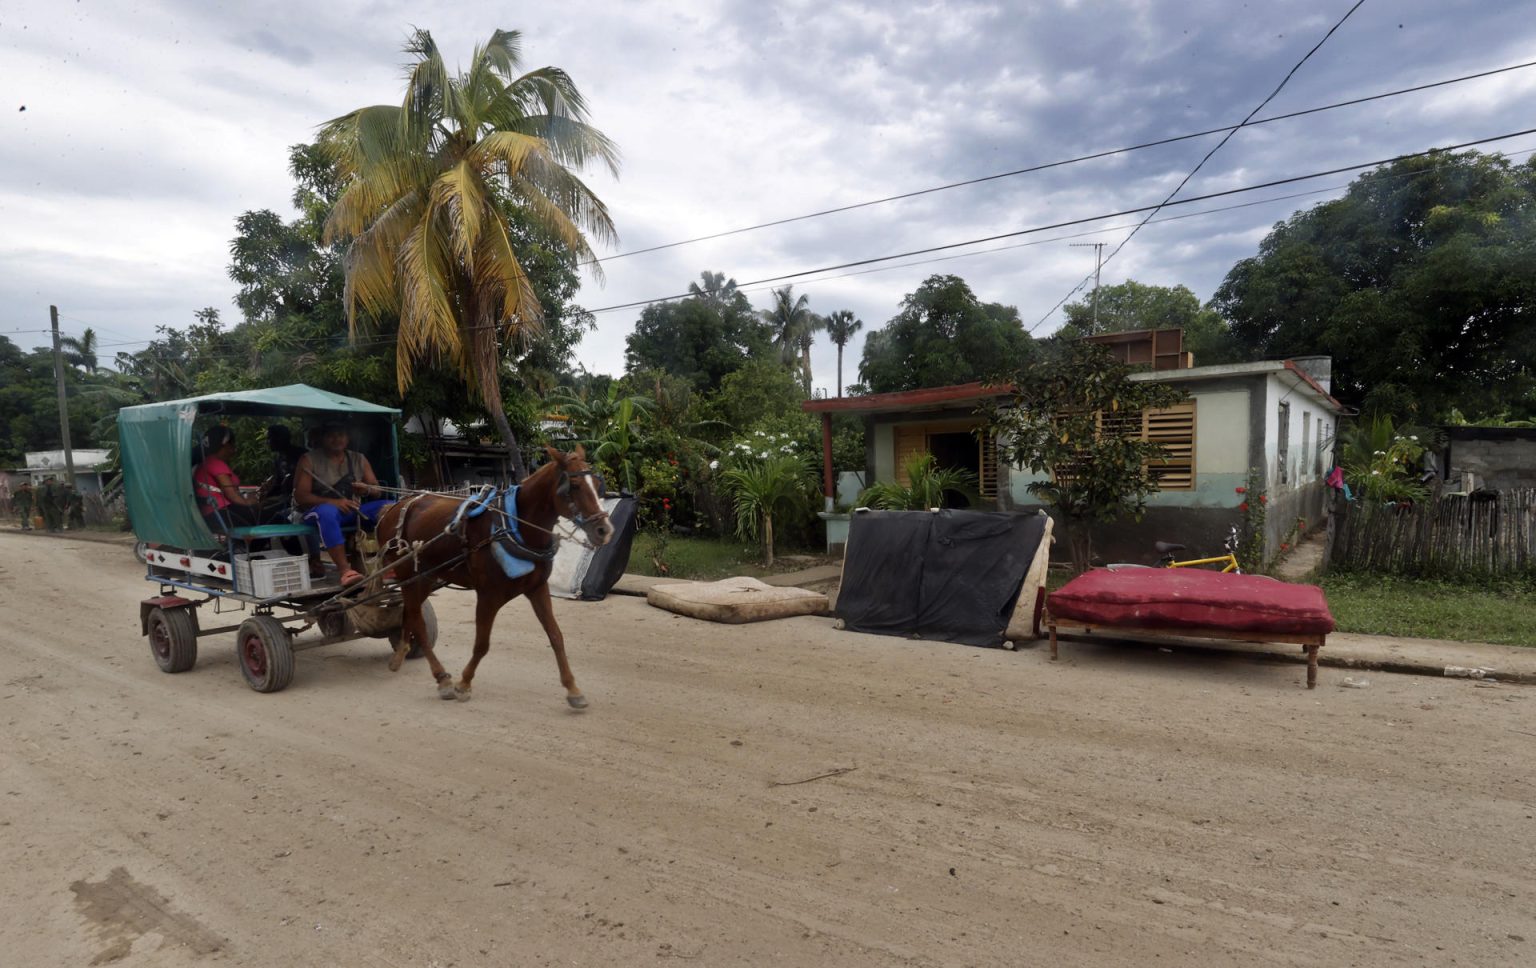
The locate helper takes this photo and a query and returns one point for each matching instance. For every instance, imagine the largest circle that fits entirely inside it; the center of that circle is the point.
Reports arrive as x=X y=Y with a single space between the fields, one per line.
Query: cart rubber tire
x=265 y=652
x=173 y=638
x=429 y=617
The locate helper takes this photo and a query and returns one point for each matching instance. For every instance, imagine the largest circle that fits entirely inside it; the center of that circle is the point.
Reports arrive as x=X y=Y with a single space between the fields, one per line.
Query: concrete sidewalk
x=1347 y=650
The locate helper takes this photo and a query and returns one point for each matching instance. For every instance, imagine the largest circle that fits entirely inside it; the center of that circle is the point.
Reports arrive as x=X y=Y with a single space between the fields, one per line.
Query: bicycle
x=1168 y=551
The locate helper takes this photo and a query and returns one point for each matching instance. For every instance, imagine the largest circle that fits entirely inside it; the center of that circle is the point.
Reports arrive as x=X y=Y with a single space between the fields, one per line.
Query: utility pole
x=1098 y=252
x=58 y=378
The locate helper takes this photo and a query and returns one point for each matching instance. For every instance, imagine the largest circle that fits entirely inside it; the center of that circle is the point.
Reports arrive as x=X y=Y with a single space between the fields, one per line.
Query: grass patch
x=1502 y=612
x=707 y=559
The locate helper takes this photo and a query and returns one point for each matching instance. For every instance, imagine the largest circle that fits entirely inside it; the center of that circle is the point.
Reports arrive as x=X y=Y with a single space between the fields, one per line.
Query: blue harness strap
x=478 y=504
x=513 y=566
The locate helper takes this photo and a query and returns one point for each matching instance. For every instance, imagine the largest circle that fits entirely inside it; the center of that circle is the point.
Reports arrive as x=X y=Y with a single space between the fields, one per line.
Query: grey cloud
x=266 y=41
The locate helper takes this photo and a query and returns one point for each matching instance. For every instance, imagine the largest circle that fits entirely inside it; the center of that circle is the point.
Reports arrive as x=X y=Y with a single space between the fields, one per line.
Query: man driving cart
x=331 y=485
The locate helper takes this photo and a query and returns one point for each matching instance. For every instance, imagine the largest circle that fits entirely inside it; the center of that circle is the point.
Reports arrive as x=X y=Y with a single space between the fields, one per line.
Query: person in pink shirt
x=218 y=489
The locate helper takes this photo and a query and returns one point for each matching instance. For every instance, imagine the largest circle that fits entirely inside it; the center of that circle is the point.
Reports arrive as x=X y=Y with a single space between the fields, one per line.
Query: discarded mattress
x=735 y=601
x=588 y=574
x=1187 y=598
x=952 y=576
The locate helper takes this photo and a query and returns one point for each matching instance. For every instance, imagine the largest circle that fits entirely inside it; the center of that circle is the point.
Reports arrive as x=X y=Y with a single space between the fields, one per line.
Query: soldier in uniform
x=74 y=506
x=24 y=501
x=52 y=505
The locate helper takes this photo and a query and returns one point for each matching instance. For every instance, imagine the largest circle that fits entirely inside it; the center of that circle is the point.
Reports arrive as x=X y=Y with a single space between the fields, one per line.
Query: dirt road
x=1119 y=807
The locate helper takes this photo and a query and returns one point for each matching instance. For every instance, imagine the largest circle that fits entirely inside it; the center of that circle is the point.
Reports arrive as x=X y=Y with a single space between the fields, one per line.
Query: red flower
x=1242 y=490
x=1243 y=507
x=1263 y=499
x=1285 y=547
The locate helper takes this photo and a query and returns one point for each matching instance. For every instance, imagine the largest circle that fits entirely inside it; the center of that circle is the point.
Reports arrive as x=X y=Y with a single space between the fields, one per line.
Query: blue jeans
x=329 y=519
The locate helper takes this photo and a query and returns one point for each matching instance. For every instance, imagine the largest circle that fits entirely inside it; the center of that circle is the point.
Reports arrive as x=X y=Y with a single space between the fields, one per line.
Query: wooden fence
x=1488 y=534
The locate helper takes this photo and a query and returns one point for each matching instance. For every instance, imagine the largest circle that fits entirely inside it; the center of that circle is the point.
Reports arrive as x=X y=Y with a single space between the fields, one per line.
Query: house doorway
x=955 y=451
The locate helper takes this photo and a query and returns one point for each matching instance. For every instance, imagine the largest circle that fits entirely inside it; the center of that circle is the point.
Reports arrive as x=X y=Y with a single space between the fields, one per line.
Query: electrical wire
x=1201 y=164
x=1062 y=162
x=342 y=342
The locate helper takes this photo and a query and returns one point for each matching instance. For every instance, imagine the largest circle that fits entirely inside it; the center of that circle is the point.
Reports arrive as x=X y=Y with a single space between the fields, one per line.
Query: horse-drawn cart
x=272 y=591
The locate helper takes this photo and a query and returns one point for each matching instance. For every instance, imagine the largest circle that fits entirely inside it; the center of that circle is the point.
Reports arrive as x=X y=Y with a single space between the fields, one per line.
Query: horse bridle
x=563 y=489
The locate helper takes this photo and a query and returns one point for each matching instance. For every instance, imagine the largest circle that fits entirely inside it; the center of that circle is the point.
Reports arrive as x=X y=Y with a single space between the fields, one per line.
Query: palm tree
x=761 y=489
x=926 y=488
x=808 y=336
x=840 y=329
x=428 y=187
x=791 y=320
x=80 y=351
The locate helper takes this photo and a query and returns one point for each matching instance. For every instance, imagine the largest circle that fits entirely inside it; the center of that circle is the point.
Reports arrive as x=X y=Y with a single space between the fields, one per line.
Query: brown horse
x=465 y=555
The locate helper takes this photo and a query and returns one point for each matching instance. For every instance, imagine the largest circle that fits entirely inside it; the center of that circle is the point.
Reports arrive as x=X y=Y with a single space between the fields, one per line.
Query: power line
x=758 y=284
x=1067 y=161
x=1228 y=137
x=1086 y=219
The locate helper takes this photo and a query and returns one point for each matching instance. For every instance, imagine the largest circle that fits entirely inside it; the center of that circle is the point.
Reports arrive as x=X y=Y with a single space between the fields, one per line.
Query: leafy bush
x=927 y=487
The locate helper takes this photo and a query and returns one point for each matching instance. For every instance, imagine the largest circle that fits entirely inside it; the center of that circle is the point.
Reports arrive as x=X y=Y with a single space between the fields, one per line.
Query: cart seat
x=271 y=531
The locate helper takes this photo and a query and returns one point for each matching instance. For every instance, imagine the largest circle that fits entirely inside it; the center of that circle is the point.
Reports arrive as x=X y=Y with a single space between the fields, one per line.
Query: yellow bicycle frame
x=1230 y=560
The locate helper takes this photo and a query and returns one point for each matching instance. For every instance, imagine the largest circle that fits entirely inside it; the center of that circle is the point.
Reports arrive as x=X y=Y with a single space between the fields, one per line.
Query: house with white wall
x=1270 y=424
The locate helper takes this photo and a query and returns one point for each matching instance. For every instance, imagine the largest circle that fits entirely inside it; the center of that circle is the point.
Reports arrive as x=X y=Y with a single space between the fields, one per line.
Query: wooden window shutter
x=988 y=463
x=1174 y=429
x=910 y=442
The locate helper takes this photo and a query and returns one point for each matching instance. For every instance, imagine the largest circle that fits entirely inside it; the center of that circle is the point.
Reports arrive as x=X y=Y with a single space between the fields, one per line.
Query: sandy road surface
x=1120 y=807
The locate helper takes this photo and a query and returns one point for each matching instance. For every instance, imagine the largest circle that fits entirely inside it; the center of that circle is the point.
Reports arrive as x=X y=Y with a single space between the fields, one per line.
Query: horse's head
x=577 y=495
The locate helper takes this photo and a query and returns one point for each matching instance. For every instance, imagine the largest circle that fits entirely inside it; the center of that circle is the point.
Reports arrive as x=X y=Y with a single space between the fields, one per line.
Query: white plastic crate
x=267 y=574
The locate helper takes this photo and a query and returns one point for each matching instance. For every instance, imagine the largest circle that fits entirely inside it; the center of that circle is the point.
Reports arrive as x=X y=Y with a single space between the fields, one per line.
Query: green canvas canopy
x=156 y=446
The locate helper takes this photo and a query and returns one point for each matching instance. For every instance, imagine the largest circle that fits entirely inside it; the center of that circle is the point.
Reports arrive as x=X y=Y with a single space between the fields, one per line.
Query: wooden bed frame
x=1309 y=643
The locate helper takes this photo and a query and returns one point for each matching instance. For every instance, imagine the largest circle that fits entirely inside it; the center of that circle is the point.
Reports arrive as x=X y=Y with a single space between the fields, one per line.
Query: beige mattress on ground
x=735 y=600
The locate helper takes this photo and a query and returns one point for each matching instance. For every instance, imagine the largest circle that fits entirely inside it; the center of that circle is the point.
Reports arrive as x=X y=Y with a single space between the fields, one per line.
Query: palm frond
x=459 y=194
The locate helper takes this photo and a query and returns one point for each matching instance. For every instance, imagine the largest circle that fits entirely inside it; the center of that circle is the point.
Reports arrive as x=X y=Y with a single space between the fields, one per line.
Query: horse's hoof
x=461 y=694
x=447 y=691
x=577 y=702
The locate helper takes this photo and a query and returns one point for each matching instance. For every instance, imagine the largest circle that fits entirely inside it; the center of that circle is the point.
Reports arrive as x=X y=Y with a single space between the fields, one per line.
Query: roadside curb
x=1340 y=659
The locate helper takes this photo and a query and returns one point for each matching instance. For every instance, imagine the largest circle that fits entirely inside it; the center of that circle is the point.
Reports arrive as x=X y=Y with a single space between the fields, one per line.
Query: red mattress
x=1186 y=598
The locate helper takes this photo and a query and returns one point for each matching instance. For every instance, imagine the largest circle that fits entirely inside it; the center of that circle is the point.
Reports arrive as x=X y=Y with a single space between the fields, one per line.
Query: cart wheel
x=173 y=638
x=333 y=625
x=429 y=618
x=141 y=551
x=266 y=653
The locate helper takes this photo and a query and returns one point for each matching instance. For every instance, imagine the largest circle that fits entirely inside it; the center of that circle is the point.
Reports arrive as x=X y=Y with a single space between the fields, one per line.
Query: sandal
x=351 y=576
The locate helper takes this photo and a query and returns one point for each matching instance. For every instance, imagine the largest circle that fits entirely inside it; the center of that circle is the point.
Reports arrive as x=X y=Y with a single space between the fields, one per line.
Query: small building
x=1270 y=424
x=1492 y=458
x=91 y=468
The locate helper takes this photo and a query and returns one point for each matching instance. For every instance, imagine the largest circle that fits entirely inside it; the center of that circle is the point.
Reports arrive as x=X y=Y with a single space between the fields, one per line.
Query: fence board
x=1489 y=534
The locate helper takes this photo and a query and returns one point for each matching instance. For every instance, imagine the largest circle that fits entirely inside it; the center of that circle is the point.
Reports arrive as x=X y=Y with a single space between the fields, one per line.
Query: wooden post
x=828 y=488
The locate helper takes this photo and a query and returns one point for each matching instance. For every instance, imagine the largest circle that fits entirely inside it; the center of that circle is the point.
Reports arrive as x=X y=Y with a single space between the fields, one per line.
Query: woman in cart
x=330 y=485
x=219 y=498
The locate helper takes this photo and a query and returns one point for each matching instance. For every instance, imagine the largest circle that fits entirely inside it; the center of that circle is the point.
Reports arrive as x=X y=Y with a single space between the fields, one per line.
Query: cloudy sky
x=136 y=132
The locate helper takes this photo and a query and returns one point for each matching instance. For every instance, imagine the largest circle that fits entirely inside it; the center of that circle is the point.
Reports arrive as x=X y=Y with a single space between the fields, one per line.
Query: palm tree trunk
x=839 y=369
x=768 y=539
x=486 y=360
x=805 y=363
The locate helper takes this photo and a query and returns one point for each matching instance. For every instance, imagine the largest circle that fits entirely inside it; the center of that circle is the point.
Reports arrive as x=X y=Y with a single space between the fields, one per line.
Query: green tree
x=841 y=326
x=702 y=338
x=1418 y=282
x=424 y=205
x=793 y=325
x=80 y=350
x=942 y=336
x=777 y=485
x=1068 y=418
x=1131 y=305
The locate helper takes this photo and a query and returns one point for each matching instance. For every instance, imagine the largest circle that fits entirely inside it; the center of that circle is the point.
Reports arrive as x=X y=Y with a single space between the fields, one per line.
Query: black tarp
x=950 y=576
x=609 y=561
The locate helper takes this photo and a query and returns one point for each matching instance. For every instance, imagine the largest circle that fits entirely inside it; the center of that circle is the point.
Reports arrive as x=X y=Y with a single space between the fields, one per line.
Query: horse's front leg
x=487 y=604
x=544 y=608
